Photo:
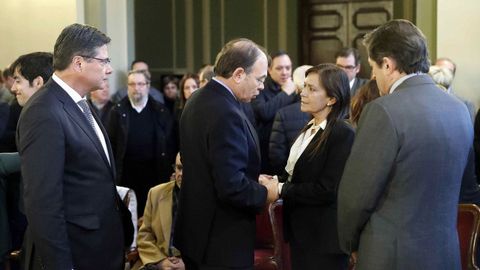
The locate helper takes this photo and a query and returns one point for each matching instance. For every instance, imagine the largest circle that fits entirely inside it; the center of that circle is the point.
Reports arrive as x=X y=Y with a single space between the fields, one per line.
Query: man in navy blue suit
x=220 y=195
x=67 y=166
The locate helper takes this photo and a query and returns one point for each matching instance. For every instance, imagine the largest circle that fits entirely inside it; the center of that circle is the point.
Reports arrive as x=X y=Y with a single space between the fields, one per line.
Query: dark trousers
x=191 y=265
x=305 y=259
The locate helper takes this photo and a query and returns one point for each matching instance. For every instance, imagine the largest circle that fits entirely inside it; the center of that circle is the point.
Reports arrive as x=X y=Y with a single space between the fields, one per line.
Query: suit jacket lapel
x=107 y=142
x=252 y=131
x=78 y=117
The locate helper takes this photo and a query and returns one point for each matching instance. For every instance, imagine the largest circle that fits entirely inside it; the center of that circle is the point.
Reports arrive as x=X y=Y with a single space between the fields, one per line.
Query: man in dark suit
x=398 y=197
x=349 y=60
x=67 y=166
x=220 y=195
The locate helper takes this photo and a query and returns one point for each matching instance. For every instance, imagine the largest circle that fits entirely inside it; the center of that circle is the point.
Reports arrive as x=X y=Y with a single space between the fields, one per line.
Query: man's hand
x=289 y=87
x=171 y=263
x=353 y=258
x=263 y=178
x=272 y=188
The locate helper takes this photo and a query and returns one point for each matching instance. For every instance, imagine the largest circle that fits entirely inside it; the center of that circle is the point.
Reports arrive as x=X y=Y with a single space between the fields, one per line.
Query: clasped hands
x=271 y=183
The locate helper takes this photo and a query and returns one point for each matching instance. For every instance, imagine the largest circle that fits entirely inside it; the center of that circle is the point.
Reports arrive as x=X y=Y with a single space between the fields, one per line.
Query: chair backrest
x=282 y=249
x=264 y=234
x=468 y=225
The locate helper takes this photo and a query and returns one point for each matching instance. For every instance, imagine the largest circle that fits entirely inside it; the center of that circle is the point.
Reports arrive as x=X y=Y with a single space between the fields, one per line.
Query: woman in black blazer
x=314 y=169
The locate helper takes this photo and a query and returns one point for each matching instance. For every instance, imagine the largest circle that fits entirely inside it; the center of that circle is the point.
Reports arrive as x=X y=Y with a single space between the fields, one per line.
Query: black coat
x=287 y=125
x=265 y=106
x=166 y=143
x=310 y=199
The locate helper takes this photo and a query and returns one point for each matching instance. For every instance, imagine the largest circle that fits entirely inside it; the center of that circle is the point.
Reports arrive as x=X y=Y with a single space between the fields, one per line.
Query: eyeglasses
x=141 y=84
x=104 y=61
x=350 y=67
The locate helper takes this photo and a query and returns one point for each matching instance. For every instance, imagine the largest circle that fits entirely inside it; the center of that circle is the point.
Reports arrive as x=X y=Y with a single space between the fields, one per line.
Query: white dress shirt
x=76 y=98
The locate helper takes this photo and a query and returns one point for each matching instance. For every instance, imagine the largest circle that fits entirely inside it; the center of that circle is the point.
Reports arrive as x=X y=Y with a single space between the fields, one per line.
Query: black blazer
x=310 y=199
x=69 y=190
x=220 y=195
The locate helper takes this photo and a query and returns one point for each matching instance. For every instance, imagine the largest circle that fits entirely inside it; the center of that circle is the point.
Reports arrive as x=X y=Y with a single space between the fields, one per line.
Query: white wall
x=33 y=25
x=458 y=37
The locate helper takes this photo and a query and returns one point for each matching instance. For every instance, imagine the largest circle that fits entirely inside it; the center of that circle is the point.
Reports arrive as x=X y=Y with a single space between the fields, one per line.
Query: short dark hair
x=335 y=82
x=346 y=52
x=7 y=72
x=77 y=39
x=169 y=79
x=137 y=61
x=275 y=55
x=32 y=65
x=237 y=53
x=402 y=41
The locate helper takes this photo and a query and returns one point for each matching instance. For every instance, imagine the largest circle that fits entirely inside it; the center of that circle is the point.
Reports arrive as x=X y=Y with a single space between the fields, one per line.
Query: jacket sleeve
x=366 y=173
x=265 y=110
x=278 y=147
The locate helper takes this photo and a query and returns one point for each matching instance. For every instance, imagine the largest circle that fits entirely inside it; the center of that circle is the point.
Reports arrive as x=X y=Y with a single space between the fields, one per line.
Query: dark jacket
x=310 y=199
x=165 y=148
x=70 y=198
x=220 y=195
x=265 y=106
x=288 y=123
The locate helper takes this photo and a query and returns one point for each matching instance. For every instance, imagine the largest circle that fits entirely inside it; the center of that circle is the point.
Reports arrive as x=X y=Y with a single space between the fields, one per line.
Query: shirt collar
x=322 y=125
x=139 y=107
x=224 y=85
x=351 y=83
x=401 y=80
x=72 y=93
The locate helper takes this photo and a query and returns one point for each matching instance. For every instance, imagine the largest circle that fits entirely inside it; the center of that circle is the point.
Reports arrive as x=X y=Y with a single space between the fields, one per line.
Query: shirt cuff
x=279 y=186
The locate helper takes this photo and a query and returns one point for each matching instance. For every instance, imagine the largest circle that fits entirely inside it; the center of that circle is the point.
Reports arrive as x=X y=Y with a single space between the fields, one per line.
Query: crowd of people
x=370 y=170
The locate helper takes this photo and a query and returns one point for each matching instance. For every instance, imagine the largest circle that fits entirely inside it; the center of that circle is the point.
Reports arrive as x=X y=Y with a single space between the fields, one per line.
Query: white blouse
x=301 y=143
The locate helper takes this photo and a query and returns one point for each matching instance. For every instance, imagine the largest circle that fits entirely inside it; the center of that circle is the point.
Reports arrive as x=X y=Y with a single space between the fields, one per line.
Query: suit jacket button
x=163 y=154
x=124 y=115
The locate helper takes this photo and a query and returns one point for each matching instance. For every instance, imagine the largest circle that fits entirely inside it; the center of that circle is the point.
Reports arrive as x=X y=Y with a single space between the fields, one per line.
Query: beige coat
x=154 y=234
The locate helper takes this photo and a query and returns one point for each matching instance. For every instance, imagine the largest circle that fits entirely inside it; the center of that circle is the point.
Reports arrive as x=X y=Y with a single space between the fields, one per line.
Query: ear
x=238 y=75
x=78 y=62
x=38 y=82
x=388 y=64
x=331 y=102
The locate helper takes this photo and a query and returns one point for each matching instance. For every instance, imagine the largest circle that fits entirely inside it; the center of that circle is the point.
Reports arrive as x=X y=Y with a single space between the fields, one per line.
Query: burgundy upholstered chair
x=468 y=225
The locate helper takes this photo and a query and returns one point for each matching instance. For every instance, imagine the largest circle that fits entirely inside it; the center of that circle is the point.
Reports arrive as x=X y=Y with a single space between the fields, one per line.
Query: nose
x=14 y=88
x=108 y=69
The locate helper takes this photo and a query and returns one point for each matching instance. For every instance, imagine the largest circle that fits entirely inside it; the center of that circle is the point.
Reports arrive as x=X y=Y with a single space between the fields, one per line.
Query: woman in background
x=365 y=94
